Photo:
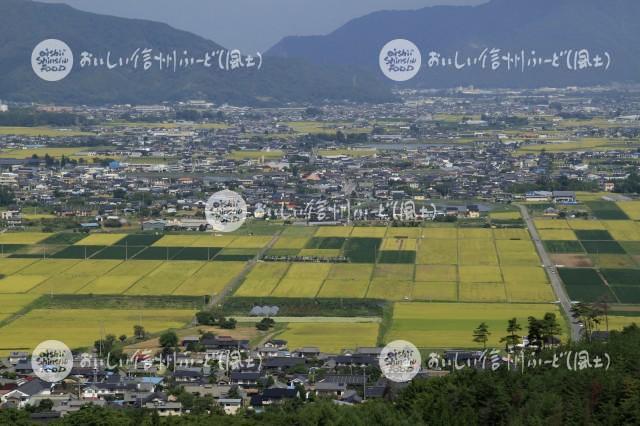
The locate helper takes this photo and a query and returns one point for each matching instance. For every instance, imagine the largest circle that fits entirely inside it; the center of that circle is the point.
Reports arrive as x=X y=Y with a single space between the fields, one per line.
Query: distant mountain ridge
x=24 y=23
x=542 y=25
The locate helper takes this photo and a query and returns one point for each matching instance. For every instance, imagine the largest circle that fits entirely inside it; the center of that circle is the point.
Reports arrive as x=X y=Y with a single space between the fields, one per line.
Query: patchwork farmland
x=434 y=263
x=439 y=280
x=598 y=259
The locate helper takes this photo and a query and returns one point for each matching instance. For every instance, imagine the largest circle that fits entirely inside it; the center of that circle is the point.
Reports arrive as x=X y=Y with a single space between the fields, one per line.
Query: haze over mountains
x=340 y=65
x=545 y=26
x=23 y=24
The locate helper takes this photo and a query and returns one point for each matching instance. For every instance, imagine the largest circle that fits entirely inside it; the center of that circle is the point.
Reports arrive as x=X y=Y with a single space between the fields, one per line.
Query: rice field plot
x=394 y=272
x=330 y=337
x=23 y=237
x=63 y=238
x=165 y=279
x=368 y=232
x=440 y=233
x=139 y=239
x=12 y=303
x=79 y=328
x=350 y=271
x=563 y=246
x=516 y=252
x=511 y=234
x=158 y=253
x=92 y=267
x=77 y=252
x=334 y=231
x=606 y=210
x=398 y=243
x=197 y=253
x=480 y=274
x=603 y=247
x=344 y=288
x=10 y=266
x=436 y=273
x=291 y=243
x=451 y=325
x=302 y=280
x=63 y=284
x=593 y=235
x=403 y=232
x=20 y=283
x=625 y=283
x=48 y=267
x=249 y=242
x=118 y=252
x=212 y=240
x=585 y=285
x=551 y=224
x=475 y=233
x=100 y=239
x=631 y=247
x=613 y=261
x=239 y=251
x=137 y=267
x=114 y=277
x=397 y=257
x=390 y=289
x=623 y=230
x=110 y=284
x=557 y=234
x=177 y=241
x=7 y=249
x=508 y=215
x=320 y=252
x=586 y=225
x=298 y=231
x=234 y=257
x=282 y=252
x=618 y=322
x=325 y=243
x=630 y=208
x=477 y=252
x=527 y=284
x=212 y=278
x=435 y=291
x=362 y=250
x=262 y=279
x=627 y=294
x=437 y=252
x=482 y=292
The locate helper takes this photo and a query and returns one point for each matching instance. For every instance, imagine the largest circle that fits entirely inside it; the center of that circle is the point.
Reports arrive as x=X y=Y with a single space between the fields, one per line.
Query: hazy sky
x=251 y=25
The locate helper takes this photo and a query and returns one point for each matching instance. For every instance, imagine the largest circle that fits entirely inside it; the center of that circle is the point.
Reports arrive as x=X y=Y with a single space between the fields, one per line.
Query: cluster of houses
x=261 y=377
x=419 y=156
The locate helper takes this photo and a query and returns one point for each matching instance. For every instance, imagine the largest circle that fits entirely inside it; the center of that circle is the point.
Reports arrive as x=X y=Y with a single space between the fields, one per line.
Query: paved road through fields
x=552 y=273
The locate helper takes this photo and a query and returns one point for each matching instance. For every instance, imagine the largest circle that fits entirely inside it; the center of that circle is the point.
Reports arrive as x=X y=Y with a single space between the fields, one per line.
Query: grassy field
x=23 y=237
x=583 y=144
x=263 y=278
x=451 y=325
x=100 y=239
x=330 y=336
x=12 y=303
x=275 y=154
x=347 y=152
x=50 y=132
x=81 y=327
